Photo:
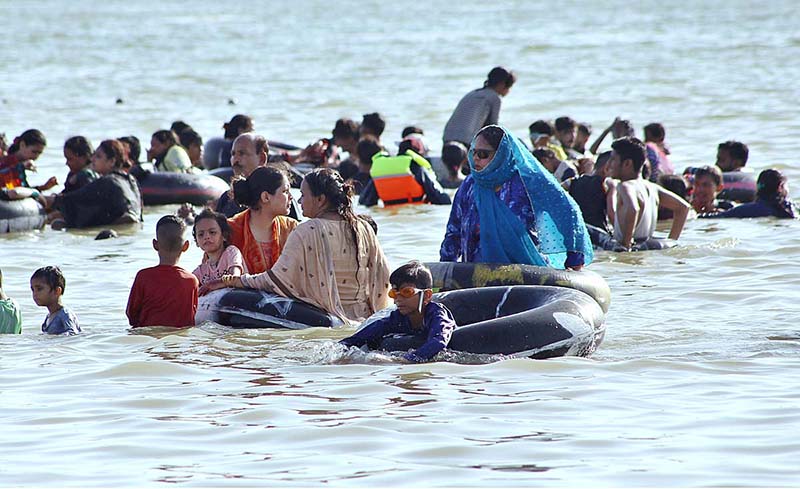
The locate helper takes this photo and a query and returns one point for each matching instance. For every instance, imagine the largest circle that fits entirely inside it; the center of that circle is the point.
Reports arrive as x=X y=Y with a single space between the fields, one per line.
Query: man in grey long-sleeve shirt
x=479 y=107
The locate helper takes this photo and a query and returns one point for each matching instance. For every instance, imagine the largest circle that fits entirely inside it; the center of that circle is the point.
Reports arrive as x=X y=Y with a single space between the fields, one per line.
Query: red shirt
x=164 y=295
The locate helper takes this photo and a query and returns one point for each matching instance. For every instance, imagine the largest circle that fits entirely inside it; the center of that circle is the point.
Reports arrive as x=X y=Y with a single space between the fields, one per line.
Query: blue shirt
x=462 y=237
x=437 y=325
x=60 y=322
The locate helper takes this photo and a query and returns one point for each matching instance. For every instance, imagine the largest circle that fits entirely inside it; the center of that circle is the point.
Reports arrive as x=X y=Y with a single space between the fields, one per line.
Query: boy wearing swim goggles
x=416 y=315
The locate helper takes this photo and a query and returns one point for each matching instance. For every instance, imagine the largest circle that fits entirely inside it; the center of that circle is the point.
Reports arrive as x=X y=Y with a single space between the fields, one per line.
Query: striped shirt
x=477 y=109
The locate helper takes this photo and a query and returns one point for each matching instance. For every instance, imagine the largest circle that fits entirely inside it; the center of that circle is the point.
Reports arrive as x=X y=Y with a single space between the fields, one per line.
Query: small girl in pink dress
x=211 y=233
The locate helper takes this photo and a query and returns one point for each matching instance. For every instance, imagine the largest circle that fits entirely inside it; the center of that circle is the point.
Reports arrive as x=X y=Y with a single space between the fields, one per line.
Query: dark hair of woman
x=221 y=220
x=29 y=137
x=113 y=150
x=165 y=136
x=79 y=146
x=263 y=179
x=328 y=182
x=238 y=124
x=492 y=135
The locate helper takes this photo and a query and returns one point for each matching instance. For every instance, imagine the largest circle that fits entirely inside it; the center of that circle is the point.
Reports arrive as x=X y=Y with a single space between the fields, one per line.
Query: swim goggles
x=407 y=292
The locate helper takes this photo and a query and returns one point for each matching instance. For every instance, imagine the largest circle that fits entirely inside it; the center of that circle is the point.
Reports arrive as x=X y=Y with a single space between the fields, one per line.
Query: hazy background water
x=695 y=384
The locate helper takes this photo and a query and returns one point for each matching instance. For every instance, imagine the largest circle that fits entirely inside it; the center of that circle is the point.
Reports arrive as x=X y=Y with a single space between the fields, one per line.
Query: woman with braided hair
x=333 y=260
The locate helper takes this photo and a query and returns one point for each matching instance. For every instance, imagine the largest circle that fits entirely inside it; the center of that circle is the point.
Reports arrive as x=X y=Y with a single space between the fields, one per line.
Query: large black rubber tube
x=248 y=308
x=454 y=276
x=20 y=215
x=159 y=188
x=520 y=321
x=604 y=241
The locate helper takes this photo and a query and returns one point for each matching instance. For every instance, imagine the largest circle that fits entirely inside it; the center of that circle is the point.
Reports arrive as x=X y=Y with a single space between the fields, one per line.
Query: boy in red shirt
x=165 y=295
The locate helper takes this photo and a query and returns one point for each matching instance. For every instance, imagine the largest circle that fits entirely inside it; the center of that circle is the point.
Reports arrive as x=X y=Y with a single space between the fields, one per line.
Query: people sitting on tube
x=167 y=154
x=403 y=179
x=113 y=198
x=638 y=200
x=164 y=295
x=332 y=261
x=212 y=234
x=20 y=158
x=772 y=199
x=510 y=209
x=416 y=315
x=261 y=231
x=707 y=185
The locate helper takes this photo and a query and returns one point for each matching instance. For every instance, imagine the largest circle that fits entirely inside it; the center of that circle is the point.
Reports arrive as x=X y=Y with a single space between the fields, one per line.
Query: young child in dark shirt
x=165 y=295
x=47 y=287
x=416 y=315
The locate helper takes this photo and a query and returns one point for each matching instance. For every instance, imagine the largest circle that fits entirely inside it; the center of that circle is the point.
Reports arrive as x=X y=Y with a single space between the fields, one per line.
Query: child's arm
x=372 y=333
x=235 y=264
x=441 y=328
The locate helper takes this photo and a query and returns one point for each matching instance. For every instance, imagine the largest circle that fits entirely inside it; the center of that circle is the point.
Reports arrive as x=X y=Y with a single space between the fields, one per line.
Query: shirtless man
x=638 y=200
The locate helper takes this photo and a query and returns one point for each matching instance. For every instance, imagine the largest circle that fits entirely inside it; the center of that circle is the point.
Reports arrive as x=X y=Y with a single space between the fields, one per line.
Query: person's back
x=479 y=108
x=402 y=179
x=591 y=192
x=164 y=295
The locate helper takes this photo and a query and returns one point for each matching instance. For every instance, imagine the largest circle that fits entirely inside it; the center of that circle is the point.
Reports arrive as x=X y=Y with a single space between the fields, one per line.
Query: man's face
x=567 y=137
x=724 y=160
x=244 y=158
x=705 y=191
x=615 y=166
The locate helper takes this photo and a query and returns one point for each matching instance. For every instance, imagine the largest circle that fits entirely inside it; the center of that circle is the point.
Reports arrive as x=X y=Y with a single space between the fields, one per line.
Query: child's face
x=208 y=235
x=407 y=297
x=42 y=294
x=75 y=162
x=705 y=190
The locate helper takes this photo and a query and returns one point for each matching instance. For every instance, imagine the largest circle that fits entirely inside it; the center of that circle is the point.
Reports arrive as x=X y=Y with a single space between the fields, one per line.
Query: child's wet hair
x=222 y=221
x=413 y=272
x=52 y=276
x=169 y=233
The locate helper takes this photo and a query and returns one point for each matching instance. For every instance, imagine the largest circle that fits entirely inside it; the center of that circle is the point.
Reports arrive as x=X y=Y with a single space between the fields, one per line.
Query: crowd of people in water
x=537 y=202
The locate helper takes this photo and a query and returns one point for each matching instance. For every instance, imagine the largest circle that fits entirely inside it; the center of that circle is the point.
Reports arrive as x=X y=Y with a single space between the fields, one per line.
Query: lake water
x=694 y=385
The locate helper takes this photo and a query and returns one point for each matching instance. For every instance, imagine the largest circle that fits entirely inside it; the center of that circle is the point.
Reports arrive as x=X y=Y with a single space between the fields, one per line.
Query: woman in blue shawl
x=510 y=209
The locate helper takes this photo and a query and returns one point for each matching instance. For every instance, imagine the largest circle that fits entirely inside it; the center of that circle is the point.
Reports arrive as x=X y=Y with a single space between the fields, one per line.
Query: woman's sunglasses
x=407 y=292
x=483 y=154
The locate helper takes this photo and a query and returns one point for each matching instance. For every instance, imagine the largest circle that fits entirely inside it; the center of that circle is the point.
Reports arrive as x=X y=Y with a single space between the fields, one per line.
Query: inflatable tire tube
x=211 y=151
x=226 y=174
x=20 y=215
x=604 y=241
x=223 y=172
x=249 y=308
x=455 y=276
x=159 y=188
x=738 y=186
x=520 y=321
